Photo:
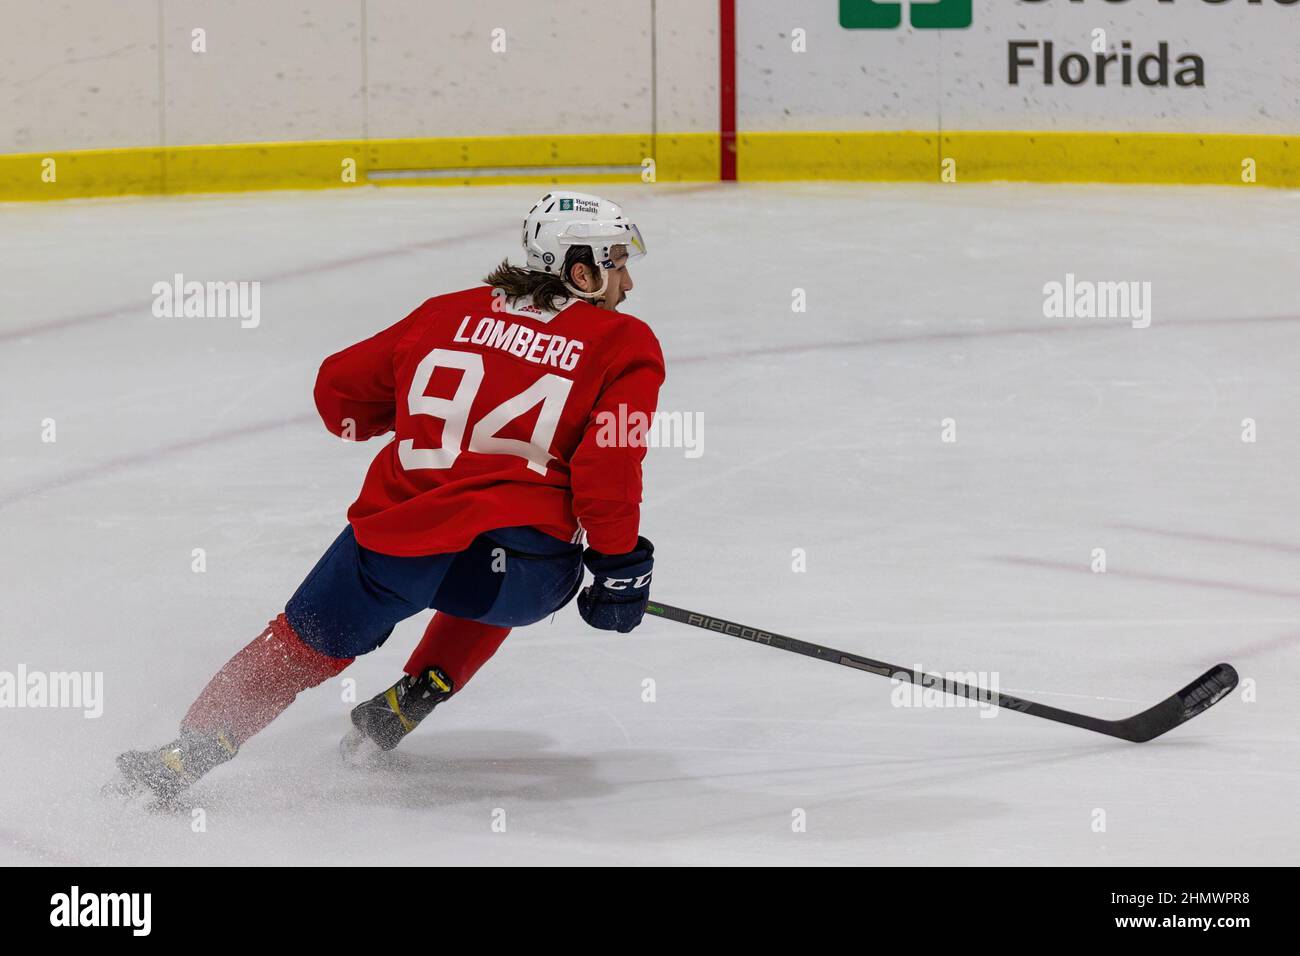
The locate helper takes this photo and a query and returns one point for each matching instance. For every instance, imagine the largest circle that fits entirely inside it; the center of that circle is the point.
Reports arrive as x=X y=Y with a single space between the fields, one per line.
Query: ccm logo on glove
x=617 y=599
x=620 y=584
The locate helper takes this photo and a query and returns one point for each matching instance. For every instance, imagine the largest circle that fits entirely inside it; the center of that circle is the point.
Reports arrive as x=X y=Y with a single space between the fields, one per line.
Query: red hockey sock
x=457 y=646
x=259 y=682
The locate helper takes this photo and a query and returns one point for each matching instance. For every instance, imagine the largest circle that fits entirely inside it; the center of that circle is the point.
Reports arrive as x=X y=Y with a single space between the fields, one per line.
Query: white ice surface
x=822 y=432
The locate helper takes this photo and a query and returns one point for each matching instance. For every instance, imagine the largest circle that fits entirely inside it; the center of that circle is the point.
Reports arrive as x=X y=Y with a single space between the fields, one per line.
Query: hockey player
x=478 y=504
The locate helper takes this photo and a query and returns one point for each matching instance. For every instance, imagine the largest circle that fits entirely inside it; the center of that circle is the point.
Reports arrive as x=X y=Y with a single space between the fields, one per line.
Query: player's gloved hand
x=616 y=600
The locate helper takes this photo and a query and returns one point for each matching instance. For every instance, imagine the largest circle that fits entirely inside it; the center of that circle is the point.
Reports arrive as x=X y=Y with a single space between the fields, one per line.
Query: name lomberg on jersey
x=72 y=690
x=208 y=300
x=540 y=348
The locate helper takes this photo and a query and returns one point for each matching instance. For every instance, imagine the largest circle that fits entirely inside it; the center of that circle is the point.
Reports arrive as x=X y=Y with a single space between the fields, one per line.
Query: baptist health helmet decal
x=882 y=15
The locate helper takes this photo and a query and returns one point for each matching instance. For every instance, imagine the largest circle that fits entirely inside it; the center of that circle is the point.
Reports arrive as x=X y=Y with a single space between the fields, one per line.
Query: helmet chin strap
x=594 y=296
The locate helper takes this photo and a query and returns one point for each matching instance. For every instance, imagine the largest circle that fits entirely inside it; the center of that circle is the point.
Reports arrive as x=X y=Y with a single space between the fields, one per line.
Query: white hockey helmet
x=560 y=220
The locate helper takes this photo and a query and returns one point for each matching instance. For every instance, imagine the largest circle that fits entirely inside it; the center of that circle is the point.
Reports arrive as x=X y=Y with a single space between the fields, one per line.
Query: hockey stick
x=1199 y=695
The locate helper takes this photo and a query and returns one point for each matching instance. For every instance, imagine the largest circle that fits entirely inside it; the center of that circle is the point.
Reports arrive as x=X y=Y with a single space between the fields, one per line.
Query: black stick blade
x=1200 y=695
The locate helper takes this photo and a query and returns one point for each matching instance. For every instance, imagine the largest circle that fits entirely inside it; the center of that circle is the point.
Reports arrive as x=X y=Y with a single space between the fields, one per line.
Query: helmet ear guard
x=591 y=296
x=570 y=261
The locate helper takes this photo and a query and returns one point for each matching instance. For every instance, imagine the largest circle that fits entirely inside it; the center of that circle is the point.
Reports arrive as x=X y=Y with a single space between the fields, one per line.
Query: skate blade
x=361 y=753
x=121 y=788
x=132 y=793
x=355 y=745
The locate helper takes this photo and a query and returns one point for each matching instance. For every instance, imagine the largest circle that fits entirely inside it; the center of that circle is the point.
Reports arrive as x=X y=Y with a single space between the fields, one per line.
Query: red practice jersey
x=500 y=419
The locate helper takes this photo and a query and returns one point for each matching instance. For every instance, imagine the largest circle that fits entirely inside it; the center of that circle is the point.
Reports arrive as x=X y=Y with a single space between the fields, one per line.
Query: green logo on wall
x=566 y=205
x=880 y=15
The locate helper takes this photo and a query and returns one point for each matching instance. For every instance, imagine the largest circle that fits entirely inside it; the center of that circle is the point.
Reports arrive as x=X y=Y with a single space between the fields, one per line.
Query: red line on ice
x=1212 y=538
x=1179 y=579
x=102 y=468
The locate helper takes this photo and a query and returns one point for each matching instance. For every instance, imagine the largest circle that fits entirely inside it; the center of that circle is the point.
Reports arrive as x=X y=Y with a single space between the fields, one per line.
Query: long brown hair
x=546 y=288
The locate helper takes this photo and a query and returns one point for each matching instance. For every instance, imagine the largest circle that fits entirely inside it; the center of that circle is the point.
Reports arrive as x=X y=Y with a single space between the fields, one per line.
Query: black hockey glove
x=617 y=599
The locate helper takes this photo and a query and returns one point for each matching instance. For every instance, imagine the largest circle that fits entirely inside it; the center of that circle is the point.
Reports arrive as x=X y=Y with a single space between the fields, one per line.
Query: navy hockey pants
x=351 y=601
